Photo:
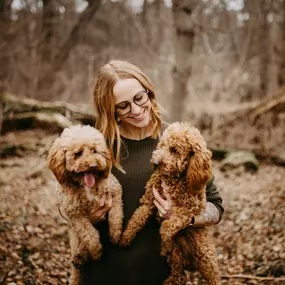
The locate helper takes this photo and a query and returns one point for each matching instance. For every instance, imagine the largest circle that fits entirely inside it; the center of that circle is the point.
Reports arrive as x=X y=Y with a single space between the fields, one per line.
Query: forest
x=219 y=64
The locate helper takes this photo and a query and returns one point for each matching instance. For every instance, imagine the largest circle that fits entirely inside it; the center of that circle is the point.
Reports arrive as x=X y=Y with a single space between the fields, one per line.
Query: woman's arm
x=210 y=216
x=213 y=211
x=214 y=207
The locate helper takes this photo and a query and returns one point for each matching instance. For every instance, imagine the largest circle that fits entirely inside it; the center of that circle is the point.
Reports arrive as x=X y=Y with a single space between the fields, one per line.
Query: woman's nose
x=135 y=109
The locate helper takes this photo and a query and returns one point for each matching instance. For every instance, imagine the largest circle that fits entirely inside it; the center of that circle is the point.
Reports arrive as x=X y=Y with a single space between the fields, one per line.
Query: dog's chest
x=90 y=194
x=93 y=195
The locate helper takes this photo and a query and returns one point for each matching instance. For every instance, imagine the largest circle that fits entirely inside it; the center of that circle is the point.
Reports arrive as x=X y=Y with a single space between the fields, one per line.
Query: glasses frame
x=133 y=101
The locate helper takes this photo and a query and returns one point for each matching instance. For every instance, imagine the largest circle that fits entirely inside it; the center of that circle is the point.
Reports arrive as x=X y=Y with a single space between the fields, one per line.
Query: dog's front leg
x=79 y=253
x=170 y=227
x=89 y=237
x=74 y=245
x=115 y=218
x=139 y=217
x=136 y=223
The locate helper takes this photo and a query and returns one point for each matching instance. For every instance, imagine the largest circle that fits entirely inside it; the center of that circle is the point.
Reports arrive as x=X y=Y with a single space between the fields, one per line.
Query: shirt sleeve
x=213 y=196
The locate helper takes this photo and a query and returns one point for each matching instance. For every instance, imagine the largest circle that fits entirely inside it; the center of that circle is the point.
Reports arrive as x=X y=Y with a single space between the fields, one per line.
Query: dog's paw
x=165 y=251
x=115 y=239
x=175 y=280
x=124 y=242
x=96 y=254
x=78 y=260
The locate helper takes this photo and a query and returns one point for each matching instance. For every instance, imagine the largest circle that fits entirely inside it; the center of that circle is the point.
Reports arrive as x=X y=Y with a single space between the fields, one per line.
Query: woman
x=129 y=117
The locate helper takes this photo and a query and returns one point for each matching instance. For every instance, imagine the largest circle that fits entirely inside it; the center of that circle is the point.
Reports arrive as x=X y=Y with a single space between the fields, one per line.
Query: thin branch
x=261 y=278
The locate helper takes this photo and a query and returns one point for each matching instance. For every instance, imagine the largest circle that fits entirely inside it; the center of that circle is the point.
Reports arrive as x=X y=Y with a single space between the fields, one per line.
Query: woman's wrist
x=209 y=217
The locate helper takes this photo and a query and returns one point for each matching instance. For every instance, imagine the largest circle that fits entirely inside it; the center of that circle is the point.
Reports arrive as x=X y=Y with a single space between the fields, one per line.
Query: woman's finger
x=109 y=202
x=159 y=207
x=102 y=200
x=102 y=212
x=158 y=198
x=168 y=197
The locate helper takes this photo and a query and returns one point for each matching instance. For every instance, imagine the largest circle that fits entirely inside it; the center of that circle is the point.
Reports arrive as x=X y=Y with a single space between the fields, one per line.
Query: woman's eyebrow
x=133 y=97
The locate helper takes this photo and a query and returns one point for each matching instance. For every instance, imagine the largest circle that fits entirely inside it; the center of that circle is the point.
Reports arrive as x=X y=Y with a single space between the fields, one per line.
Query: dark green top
x=141 y=263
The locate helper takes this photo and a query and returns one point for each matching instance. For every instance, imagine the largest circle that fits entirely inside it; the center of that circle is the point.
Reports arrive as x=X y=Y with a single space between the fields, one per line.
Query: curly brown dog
x=184 y=164
x=81 y=162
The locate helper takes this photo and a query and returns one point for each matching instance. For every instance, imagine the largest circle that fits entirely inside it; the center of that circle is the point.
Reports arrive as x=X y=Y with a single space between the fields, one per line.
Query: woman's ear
x=199 y=170
x=56 y=160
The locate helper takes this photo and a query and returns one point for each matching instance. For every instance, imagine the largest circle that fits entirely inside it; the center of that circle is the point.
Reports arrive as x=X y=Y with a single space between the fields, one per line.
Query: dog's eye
x=173 y=150
x=94 y=150
x=191 y=153
x=78 y=153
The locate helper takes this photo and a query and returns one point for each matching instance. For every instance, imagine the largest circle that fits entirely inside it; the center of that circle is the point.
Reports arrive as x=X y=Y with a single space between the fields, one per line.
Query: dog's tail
x=185 y=241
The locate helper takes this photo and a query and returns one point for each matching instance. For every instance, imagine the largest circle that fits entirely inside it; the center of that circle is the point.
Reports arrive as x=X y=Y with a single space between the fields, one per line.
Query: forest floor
x=34 y=246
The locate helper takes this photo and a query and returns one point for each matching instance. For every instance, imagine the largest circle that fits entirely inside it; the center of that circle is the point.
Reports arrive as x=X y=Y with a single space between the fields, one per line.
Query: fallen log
x=277 y=158
x=16 y=104
x=52 y=121
x=272 y=104
x=21 y=113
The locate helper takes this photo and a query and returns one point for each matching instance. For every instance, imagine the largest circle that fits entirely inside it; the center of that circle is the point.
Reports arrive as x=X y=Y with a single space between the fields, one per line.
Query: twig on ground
x=261 y=278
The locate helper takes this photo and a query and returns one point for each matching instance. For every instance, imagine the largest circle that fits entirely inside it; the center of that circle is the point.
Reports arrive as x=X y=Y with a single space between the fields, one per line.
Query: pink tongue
x=89 y=179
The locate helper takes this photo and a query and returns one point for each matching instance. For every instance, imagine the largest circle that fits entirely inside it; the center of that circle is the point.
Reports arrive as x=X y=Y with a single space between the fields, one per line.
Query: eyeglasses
x=125 y=107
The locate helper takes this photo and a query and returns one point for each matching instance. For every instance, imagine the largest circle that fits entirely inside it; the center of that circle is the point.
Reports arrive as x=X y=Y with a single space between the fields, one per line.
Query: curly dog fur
x=81 y=162
x=182 y=162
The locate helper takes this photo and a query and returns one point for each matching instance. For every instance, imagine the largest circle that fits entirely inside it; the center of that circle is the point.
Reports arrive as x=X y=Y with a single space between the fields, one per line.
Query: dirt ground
x=34 y=245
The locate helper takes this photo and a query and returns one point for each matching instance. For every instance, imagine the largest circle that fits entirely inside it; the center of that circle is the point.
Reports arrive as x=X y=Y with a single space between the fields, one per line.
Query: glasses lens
x=141 y=98
x=123 y=109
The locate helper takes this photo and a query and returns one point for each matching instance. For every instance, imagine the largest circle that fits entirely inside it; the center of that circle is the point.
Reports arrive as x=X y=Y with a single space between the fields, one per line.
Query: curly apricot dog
x=81 y=162
x=184 y=164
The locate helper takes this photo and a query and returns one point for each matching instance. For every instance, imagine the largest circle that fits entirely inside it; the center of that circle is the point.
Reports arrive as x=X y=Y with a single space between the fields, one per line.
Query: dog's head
x=182 y=151
x=80 y=155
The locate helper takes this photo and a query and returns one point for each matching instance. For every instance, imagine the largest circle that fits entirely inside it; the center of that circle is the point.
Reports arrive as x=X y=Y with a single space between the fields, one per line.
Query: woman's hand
x=99 y=215
x=164 y=207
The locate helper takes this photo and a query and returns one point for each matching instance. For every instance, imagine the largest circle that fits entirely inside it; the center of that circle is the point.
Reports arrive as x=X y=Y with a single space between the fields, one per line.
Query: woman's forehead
x=126 y=89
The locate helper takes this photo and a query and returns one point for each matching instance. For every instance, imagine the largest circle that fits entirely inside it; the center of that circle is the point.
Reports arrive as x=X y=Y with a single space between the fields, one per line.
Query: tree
x=184 y=42
x=5 y=15
x=48 y=23
x=281 y=74
x=71 y=40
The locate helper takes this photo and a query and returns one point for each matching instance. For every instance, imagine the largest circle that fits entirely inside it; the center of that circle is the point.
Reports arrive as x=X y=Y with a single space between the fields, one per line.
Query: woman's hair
x=104 y=101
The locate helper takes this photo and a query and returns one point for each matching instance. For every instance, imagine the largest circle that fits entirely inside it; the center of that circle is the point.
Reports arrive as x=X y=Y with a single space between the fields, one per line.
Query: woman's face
x=132 y=102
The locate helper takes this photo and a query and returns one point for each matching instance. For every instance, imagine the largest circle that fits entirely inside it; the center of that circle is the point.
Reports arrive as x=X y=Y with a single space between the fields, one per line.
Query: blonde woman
x=128 y=115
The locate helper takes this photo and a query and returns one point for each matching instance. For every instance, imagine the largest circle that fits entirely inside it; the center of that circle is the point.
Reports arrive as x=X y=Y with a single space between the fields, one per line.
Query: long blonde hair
x=104 y=101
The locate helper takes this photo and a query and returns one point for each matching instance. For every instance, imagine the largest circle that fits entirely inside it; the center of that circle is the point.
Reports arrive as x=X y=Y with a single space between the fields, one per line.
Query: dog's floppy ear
x=56 y=160
x=199 y=169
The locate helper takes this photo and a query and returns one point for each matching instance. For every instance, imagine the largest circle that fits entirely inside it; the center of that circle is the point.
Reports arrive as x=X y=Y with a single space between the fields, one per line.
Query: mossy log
x=21 y=113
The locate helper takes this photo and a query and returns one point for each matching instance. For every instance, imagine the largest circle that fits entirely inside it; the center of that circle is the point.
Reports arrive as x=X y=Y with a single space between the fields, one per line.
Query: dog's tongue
x=89 y=179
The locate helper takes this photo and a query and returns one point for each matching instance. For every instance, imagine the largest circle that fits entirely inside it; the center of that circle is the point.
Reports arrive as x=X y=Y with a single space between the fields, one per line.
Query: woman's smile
x=139 y=116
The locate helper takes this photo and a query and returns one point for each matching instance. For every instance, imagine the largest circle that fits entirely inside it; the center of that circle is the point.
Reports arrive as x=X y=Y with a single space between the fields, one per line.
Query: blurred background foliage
x=208 y=59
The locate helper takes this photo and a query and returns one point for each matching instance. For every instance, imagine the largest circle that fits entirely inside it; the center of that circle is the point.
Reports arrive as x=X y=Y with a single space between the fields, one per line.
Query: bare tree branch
x=70 y=42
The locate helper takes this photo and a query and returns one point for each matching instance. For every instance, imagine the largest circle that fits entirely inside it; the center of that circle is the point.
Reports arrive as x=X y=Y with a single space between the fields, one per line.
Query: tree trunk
x=258 y=11
x=5 y=9
x=184 y=42
x=275 y=47
x=48 y=25
x=281 y=74
x=5 y=16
